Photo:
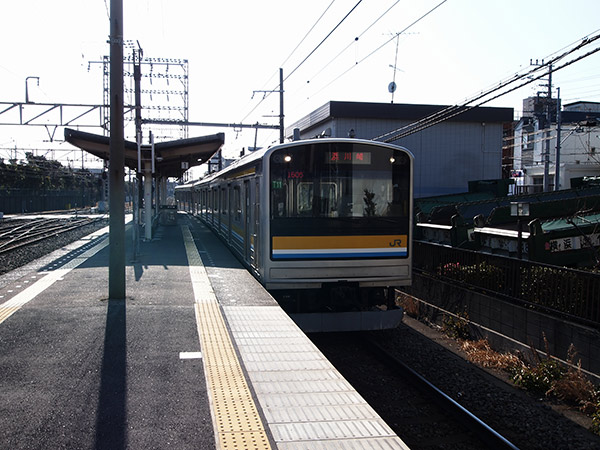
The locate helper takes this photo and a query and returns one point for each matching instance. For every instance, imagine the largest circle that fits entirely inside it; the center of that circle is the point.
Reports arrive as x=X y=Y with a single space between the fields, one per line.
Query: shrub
x=457 y=327
x=482 y=275
x=552 y=287
x=451 y=270
x=539 y=379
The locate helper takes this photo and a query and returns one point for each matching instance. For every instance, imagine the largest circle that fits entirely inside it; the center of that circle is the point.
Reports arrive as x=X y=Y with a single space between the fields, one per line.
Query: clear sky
x=235 y=47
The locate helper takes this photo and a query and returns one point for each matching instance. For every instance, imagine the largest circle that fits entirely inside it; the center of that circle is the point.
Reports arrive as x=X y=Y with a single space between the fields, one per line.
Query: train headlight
x=392 y=160
x=287 y=158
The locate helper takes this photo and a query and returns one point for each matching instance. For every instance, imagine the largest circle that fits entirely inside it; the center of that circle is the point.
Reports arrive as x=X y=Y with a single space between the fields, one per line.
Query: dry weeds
x=481 y=353
x=574 y=388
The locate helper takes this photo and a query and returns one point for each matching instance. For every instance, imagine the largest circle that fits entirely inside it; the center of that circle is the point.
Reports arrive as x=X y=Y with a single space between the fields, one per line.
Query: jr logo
x=396 y=243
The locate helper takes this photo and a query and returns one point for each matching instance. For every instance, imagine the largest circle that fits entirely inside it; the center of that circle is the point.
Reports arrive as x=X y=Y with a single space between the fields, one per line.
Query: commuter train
x=324 y=224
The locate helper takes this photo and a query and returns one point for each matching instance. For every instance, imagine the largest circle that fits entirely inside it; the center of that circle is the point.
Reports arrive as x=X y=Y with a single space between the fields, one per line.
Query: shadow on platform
x=111 y=419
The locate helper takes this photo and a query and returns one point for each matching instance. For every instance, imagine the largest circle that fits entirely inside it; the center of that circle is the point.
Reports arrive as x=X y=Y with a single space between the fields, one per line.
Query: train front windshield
x=333 y=189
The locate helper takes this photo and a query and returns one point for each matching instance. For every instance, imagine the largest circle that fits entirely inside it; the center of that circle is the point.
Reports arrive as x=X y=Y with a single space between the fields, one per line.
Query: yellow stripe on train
x=339 y=242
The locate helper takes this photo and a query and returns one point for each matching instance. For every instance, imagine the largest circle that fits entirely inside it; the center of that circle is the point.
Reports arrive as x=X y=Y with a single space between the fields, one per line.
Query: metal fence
x=569 y=292
x=17 y=201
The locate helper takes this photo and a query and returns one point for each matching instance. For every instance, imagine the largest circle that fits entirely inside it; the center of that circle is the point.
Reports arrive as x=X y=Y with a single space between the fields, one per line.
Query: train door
x=224 y=220
x=195 y=195
x=256 y=225
x=202 y=202
x=247 y=221
x=215 y=211
x=230 y=212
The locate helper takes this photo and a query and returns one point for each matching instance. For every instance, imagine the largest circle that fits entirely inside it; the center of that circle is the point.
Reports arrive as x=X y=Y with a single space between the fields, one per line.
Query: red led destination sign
x=348 y=158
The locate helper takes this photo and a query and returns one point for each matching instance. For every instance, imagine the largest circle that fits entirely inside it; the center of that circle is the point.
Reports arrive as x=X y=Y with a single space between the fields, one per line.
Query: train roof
x=259 y=154
x=183 y=186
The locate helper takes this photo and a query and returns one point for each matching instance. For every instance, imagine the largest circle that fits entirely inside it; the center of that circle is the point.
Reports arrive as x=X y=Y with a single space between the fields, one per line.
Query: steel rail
x=45 y=235
x=483 y=431
x=38 y=228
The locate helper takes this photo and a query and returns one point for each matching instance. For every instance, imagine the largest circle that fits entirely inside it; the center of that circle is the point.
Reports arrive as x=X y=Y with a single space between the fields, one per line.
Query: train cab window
x=326 y=201
x=280 y=201
x=340 y=180
x=305 y=198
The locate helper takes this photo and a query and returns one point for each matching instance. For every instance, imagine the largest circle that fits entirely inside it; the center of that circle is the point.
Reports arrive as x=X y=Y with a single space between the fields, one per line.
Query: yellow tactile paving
x=7 y=311
x=235 y=416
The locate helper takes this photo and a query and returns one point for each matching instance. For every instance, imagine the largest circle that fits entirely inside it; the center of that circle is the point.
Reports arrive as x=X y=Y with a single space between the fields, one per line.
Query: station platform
x=199 y=355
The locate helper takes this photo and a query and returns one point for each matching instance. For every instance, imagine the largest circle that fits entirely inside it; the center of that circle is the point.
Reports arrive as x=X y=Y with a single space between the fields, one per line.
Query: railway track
x=422 y=415
x=18 y=234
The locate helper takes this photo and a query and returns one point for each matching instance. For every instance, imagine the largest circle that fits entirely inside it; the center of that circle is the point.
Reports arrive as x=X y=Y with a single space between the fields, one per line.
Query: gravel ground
x=526 y=421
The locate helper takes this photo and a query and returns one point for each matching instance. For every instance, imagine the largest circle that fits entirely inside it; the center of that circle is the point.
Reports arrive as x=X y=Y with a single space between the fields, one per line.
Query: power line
x=331 y=61
x=453 y=111
x=107 y=11
x=382 y=45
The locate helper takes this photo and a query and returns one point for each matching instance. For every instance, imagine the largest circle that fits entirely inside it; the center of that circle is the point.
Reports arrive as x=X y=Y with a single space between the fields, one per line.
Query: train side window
x=224 y=206
x=215 y=204
x=237 y=204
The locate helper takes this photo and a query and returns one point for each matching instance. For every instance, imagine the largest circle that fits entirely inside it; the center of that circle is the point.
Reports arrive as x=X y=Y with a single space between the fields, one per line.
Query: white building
x=579 y=151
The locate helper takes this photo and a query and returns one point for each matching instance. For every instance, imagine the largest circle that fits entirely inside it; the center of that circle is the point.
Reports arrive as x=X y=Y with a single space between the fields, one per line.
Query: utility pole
x=137 y=78
x=281 y=129
x=558 y=130
x=281 y=115
x=548 y=125
x=548 y=120
x=116 y=178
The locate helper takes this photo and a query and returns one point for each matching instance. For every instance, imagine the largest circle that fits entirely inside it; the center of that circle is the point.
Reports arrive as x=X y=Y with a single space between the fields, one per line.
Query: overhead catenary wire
x=307 y=34
x=332 y=60
x=275 y=89
x=276 y=73
x=323 y=41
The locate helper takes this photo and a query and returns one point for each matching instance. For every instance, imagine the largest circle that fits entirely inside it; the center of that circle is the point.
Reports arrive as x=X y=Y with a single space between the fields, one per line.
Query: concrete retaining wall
x=505 y=325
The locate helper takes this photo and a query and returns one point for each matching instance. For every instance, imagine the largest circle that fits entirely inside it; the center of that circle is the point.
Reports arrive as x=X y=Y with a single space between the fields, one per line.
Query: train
x=325 y=225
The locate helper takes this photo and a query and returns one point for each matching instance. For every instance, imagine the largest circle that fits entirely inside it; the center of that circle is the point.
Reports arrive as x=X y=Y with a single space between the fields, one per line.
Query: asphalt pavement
x=80 y=371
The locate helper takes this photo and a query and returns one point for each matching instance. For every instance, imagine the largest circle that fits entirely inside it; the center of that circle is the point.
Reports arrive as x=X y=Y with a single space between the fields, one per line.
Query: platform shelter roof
x=172 y=158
